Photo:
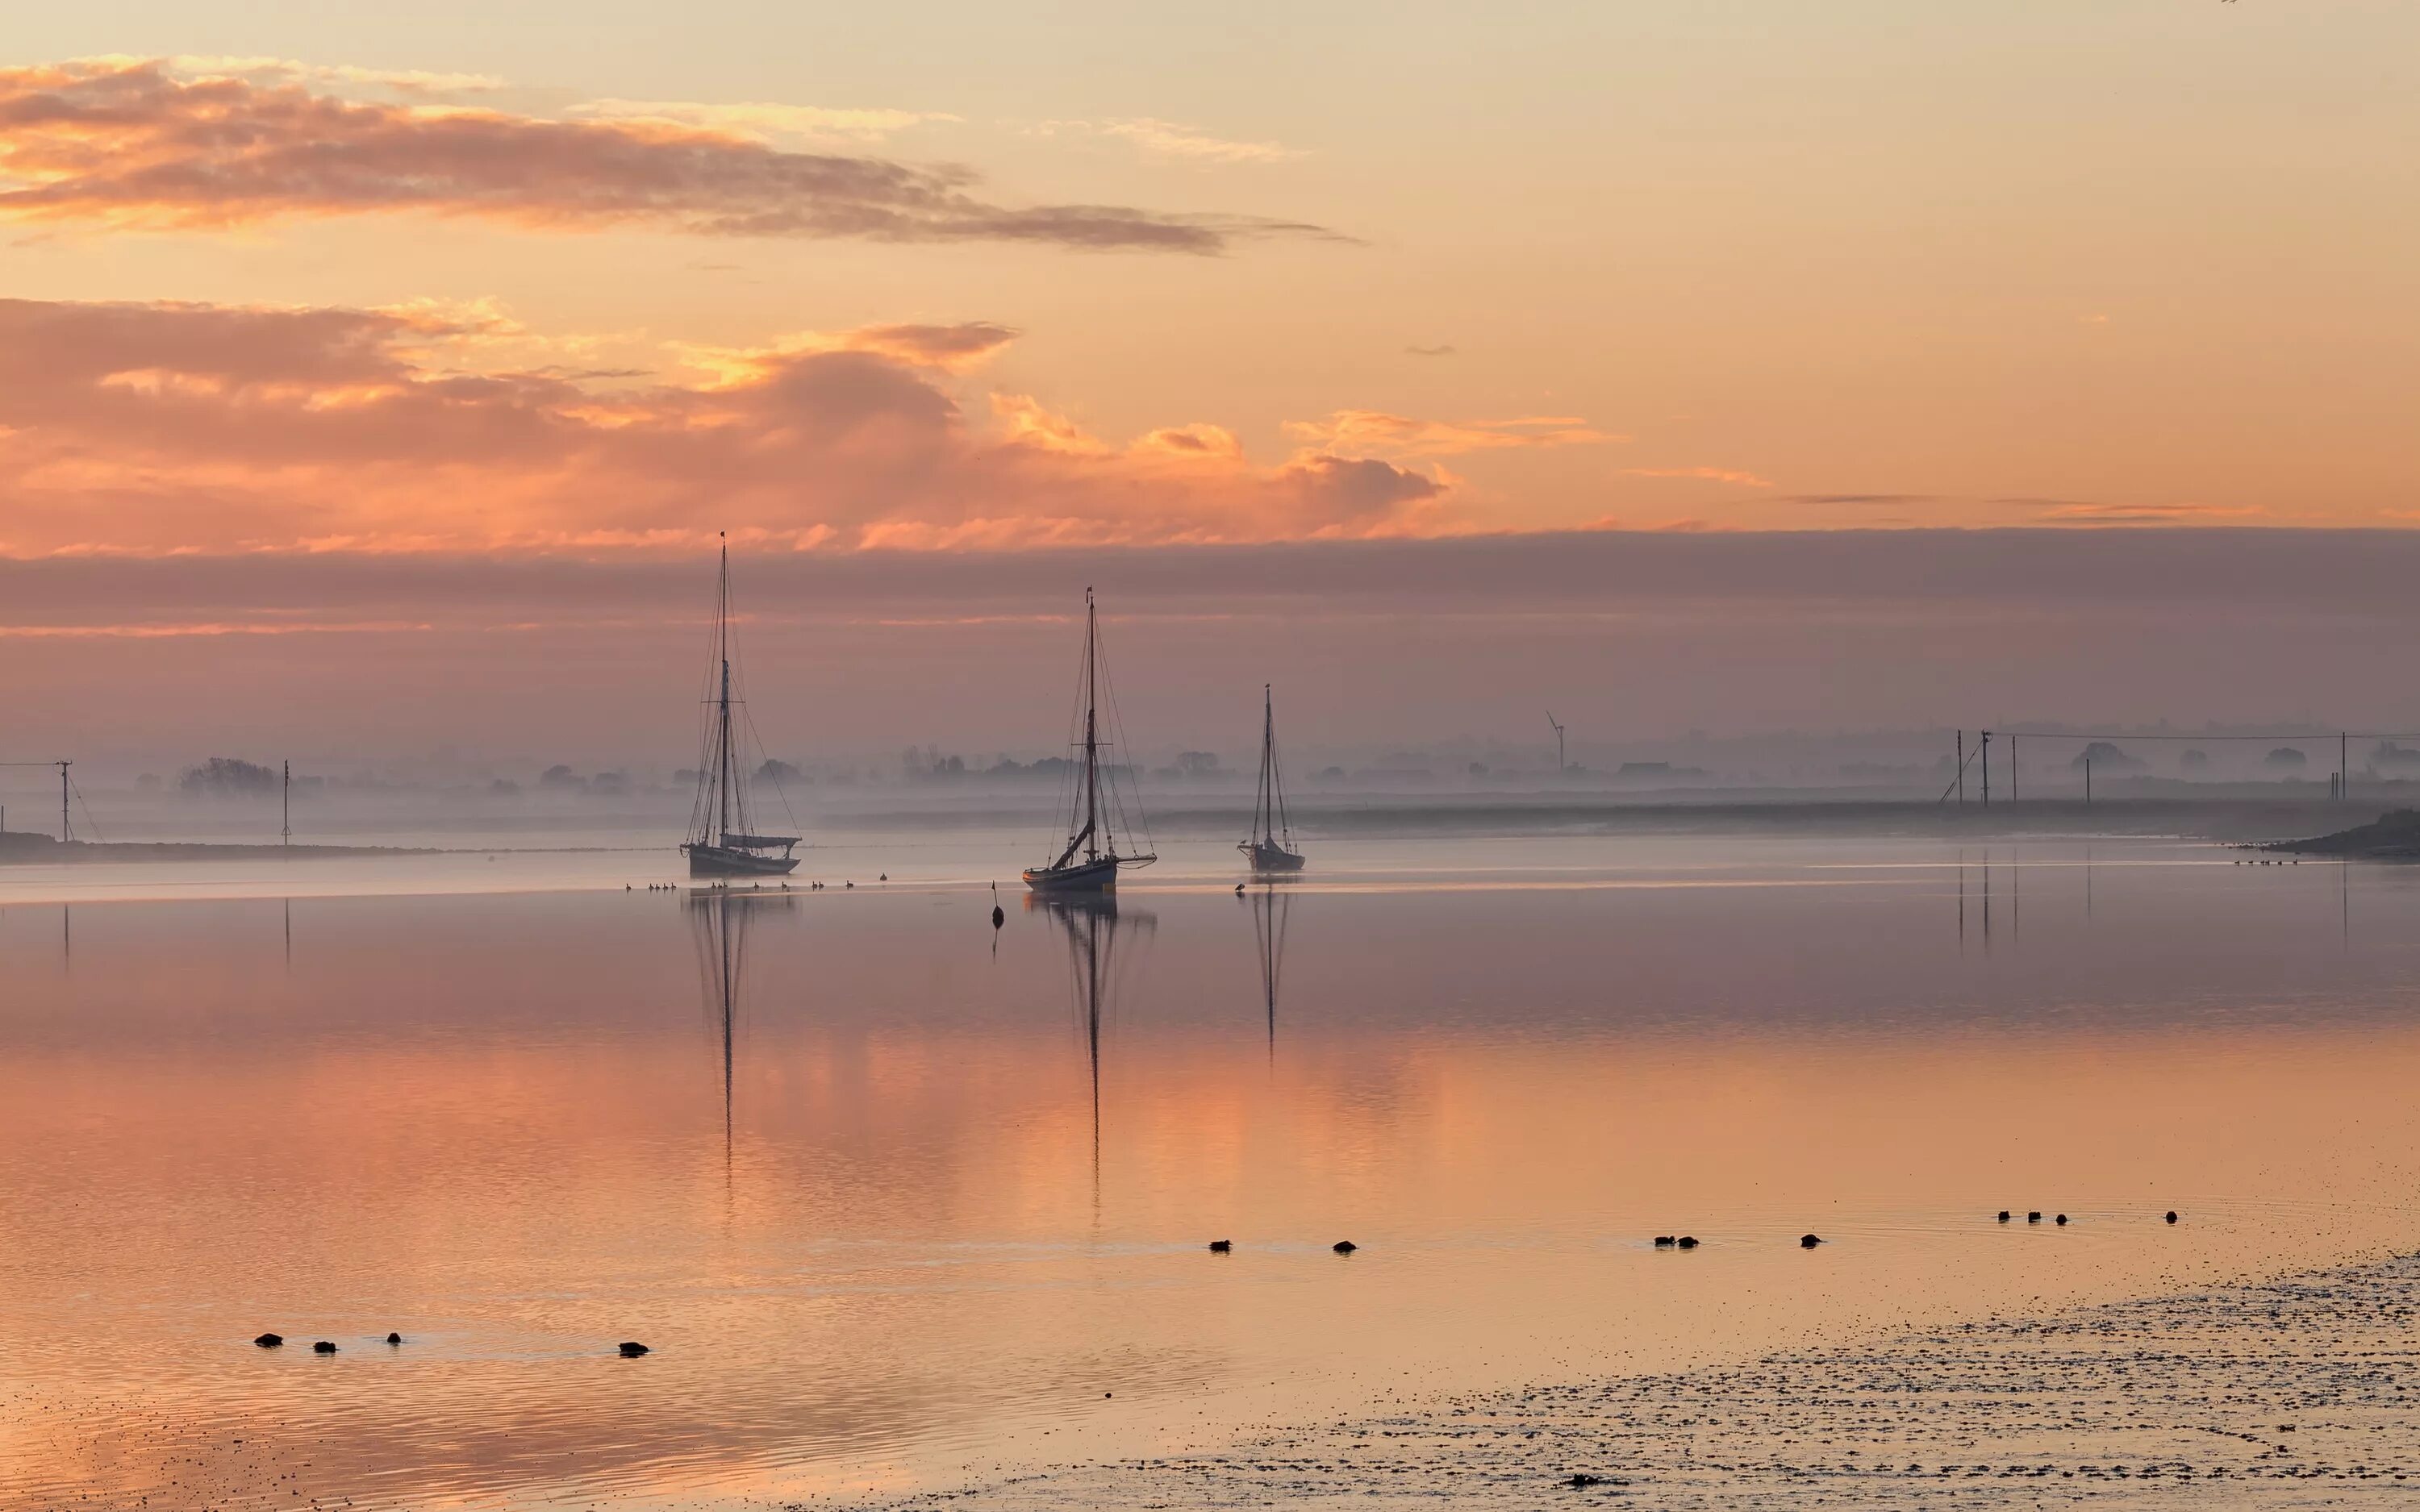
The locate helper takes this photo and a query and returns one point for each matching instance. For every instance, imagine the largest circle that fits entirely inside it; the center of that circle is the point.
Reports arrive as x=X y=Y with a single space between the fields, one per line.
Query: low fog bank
x=2243 y=784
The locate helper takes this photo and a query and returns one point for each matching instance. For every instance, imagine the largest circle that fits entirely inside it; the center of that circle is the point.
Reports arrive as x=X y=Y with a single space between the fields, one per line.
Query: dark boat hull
x=722 y=861
x=1080 y=876
x=1265 y=857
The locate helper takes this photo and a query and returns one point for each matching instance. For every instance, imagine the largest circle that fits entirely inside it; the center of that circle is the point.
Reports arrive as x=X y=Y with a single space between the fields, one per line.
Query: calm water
x=899 y=1201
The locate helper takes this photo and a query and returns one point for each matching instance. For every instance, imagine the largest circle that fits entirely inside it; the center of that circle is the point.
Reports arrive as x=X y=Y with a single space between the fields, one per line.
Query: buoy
x=2172 y=1216
x=2062 y=1220
x=631 y=1349
x=1345 y=1246
x=323 y=1347
x=1688 y=1241
x=1808 y=1240
x=885 y=878
x=270 y=1341
x=2003 y=1216
x=1221 y=1246
x=394 y=1338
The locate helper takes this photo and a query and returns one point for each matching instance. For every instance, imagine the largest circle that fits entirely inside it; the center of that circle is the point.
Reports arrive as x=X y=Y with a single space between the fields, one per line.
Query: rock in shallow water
x=631 y=1349
x=1345 y=1246
x=323 y=1347
x=270 y=1341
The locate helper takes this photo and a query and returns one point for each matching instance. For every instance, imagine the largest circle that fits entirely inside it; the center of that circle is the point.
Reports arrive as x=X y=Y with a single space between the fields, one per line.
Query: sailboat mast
x=1091 y=736
x=1262 y=813
x=723 y=703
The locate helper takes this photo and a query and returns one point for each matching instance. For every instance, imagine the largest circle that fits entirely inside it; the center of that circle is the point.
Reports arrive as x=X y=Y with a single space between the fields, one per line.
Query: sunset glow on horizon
x=352 y=296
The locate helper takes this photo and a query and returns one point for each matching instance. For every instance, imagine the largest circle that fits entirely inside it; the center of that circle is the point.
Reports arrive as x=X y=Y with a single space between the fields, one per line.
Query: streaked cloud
x=1167 y=139
x=1731 y=475
x=2070 y=513
x=766 y=122
x=134 y=146
x=177 y=427
x=1377 y=433
x=339 y=76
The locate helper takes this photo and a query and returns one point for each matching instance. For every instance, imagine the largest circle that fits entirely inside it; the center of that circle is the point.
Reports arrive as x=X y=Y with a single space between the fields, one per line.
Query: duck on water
x=1090 y=861
x=722 y=842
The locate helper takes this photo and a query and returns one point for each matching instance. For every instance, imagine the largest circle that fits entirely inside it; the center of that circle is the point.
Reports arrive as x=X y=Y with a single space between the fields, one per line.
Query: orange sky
x=1757 y=268
x=325 y=282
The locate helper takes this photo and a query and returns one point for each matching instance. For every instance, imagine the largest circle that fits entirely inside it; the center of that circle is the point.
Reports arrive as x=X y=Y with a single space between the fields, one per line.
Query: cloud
x=190 y=66
x=1166 y=139
x=1376 y=433
x=2085 y=513
x=133 y=145
x=766 y=122
x=165 y=427
x=1732 y=475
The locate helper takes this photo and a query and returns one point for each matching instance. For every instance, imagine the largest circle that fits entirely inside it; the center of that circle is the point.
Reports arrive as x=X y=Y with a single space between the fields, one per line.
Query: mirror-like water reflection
x=884 y=1224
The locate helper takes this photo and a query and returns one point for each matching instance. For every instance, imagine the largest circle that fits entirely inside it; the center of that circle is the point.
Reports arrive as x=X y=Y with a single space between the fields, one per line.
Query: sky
x=296 y=297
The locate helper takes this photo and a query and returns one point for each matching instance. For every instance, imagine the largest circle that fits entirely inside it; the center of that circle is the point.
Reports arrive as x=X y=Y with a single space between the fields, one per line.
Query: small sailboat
x=1271 y=845
x=1090 y=861
x=722 y=842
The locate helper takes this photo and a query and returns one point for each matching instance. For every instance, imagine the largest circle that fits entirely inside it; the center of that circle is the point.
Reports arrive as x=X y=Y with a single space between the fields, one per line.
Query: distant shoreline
x=19 y=849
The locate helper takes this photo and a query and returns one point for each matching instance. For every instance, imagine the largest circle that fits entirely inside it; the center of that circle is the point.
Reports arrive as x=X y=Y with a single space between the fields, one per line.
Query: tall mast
x=286 y=805
x=67 y=830
x=1092 y=740
x=723 y=703
x=1264 y=811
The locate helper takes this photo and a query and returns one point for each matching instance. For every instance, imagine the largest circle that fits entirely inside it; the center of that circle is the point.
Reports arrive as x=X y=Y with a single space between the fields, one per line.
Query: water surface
x=901 y=1201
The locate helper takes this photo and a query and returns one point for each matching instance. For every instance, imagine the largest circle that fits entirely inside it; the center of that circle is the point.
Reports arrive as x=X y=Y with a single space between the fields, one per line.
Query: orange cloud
x=1732 y=475
x=1376 y=433
x=187 y=427
x=130 y=145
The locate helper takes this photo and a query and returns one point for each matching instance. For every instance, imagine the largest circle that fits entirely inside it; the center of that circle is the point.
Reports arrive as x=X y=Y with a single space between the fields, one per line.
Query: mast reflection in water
x=718 y=922
x=1093 y=925
x=1270 y=909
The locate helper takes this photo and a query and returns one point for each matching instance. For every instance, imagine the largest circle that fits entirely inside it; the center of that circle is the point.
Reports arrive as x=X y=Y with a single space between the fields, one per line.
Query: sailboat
x=1090 y=861
x=722 y=842
x=1271 y=845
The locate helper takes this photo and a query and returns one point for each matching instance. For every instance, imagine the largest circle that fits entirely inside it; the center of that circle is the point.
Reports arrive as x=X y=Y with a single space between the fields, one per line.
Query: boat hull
x=1080 y=876
x=722 y=861
x=1270 y=859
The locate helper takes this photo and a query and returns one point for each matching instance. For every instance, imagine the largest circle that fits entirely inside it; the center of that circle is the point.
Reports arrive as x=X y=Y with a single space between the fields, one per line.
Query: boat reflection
x=1094 y=926
x=1270 y=910
x=718 y=920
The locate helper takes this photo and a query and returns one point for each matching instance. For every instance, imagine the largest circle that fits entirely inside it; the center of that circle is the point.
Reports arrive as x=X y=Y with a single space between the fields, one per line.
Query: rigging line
x=749 y=718
x=1134 y=778
x=77 y=788
x=1960 y=772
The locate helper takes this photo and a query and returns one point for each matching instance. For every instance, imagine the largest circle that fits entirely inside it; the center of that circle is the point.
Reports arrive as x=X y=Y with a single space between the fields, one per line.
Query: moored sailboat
x=1090 y=861
x=1270 y=846
x=722 y=842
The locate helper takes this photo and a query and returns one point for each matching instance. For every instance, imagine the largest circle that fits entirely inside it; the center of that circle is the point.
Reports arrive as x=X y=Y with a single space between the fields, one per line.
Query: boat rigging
x=722 y=841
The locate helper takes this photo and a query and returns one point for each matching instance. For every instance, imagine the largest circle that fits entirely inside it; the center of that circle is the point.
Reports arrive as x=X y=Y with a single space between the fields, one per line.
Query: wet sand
x=2288 y=1393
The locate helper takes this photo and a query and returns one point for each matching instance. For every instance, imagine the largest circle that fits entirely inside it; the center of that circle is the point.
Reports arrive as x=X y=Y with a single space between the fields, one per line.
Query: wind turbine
x=1560 y=767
